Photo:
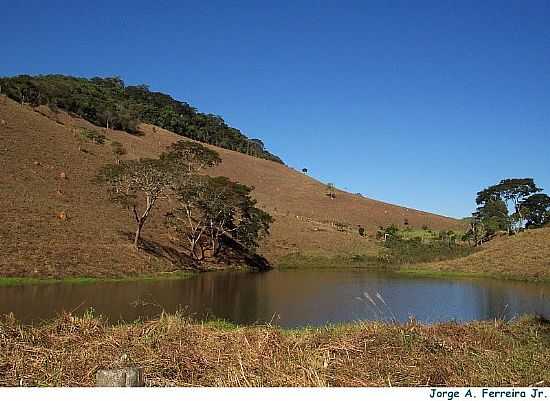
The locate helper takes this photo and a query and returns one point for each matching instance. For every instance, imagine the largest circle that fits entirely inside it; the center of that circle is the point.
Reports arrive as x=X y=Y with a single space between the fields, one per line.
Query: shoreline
x=403 y=271
x=420 y=270
x=18 y=281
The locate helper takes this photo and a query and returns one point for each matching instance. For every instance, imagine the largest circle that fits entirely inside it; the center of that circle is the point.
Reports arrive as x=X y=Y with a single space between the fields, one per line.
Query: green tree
x=494 y=216
x=536 y=210
x=513 y=191
x=212 y=208
x=189 y=157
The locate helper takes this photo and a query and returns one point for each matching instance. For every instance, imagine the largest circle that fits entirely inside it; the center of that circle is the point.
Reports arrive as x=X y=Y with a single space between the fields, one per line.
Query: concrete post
x=125 y=377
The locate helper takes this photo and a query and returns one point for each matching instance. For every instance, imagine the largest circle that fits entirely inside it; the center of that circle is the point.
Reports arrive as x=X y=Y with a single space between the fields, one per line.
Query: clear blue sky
x=417 y=103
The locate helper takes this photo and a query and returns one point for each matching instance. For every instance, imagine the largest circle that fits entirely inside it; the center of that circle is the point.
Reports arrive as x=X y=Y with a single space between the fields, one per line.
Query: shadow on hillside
x=235 y=254
x=232 y=254
x=172 y=254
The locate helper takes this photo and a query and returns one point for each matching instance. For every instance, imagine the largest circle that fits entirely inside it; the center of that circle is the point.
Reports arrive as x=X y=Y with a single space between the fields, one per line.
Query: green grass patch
x=14 y=281
x=301 y=261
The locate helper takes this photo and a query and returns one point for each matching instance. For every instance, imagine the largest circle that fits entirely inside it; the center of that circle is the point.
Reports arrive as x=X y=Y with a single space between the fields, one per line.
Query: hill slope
x=56 y=222
x=523 y=256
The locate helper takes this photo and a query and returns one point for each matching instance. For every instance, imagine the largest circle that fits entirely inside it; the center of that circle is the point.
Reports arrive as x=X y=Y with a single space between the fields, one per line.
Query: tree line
x=109 y=103
x=204 y=211
x=511 y=205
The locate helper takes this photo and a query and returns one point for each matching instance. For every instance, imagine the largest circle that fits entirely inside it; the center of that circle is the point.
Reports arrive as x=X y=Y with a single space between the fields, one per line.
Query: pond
x=285 y=298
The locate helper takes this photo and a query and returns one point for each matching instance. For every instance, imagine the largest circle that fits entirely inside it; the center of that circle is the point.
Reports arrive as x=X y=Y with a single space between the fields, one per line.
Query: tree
x=513 y=191
x=186 y=220
x=494 y=216
x=331 y=190
x=188 y=157
x=210 y=209
x=536 y=210
x=477 y=231
x=138 y=185
x=304 y=170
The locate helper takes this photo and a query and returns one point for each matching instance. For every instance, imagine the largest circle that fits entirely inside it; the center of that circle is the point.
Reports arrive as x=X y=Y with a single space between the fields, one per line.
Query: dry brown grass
x=525 y=256
x=175 y=352
x=58 y=226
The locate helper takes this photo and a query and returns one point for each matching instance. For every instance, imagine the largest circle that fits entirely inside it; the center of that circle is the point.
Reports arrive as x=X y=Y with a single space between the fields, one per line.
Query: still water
x=286 y=298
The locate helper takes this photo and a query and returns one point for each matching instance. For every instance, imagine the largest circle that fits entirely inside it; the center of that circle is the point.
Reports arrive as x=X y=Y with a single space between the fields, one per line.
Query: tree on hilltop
x=512 y=191
x=536 y=210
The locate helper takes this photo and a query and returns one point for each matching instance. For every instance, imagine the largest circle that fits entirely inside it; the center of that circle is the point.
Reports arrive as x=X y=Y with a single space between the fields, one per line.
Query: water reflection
x=289 y=299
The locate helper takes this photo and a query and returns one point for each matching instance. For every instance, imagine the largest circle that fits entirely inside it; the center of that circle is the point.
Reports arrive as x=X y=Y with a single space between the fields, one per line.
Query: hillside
x=110 y=103
x=56 y=222
x=523 y=256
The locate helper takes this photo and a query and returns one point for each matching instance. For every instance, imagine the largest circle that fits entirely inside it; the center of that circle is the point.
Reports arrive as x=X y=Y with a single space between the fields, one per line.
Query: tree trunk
x=196 y=251
x=215 y=243
x=137 y=237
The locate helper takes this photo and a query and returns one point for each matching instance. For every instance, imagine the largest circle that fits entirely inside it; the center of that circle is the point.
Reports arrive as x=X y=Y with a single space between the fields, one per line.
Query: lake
x=287 y=298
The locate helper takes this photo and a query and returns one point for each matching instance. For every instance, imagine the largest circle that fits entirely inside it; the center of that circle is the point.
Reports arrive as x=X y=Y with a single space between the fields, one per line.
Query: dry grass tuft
x=177 y=352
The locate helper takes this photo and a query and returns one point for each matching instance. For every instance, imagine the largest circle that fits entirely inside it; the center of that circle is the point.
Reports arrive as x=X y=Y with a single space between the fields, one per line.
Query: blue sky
x=416 y=103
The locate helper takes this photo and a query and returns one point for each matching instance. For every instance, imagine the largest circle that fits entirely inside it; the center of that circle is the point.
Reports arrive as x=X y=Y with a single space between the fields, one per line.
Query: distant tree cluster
x=510 y=205
x=109 y=103
x=207 y=209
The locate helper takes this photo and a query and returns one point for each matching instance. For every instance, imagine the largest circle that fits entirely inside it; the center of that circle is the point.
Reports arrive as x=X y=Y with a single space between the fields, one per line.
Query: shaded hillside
x=522 y=256
x=56 y=222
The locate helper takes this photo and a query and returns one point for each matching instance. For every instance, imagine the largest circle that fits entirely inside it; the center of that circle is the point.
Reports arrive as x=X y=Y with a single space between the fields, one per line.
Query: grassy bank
x=174 y=351
x=431 y=272
x=393 y=255
x=339 y=261
x=525 y=256
x=14 y=281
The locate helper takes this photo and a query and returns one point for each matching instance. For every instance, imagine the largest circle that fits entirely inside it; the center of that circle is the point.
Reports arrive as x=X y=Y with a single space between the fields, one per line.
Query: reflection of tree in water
x=230 y=296
x=507 y=299
x=299 y=297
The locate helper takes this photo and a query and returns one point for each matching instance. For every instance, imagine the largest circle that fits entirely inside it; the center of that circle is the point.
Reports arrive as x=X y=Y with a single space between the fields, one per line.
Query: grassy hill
x=523 y=256
x=57 y=223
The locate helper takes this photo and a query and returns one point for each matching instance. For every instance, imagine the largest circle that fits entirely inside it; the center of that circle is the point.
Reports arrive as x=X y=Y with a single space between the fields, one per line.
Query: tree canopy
x=511 y=204
x=211 y=208
x=137 y=185
x=108 y=102
x=536 y=210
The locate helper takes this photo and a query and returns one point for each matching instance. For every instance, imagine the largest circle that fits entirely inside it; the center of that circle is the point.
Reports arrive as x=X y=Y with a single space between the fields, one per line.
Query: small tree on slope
x=138 y=185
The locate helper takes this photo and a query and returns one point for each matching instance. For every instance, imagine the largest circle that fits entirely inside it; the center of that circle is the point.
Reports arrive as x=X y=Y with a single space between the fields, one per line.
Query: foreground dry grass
x=525 y=256
x=175 y=352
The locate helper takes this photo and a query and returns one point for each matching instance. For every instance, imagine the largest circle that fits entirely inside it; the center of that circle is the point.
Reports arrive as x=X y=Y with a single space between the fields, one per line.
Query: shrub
x=92 y=136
